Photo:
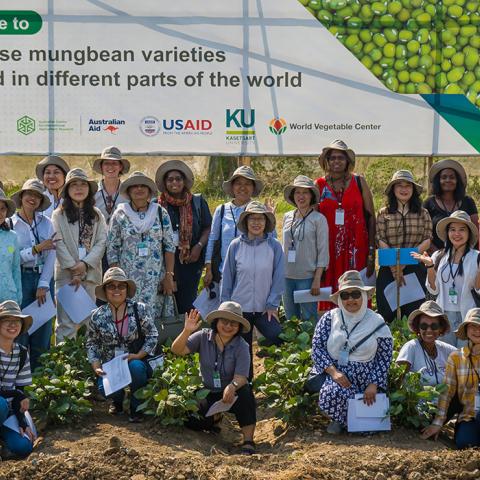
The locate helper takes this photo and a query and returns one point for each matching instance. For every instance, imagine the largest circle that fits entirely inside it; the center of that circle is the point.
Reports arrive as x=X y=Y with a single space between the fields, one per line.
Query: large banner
x=252 y=77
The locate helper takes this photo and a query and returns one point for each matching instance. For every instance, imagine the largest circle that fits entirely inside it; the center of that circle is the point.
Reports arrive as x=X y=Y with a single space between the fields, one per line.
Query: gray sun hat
x=403 y=176
x=246 y=172
x=115 y=274
x=459 y=216
x=432 y=309
x=256 y=207
x=170 y=165
x=447 y=163
x=11 y=207
x=78 y=174
x=111 y=153
x=473 y=316
x=351 y=279
x=10 y=308
x=138 y=178
x=337 y=145
x=229 y=311
x=301 y=181
x=51 y=160
x=33 y=185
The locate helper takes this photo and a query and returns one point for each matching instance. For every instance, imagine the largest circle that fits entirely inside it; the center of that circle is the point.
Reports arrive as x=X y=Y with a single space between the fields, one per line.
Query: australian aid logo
x=180 y=126
x=240 y=125
x=105 y=125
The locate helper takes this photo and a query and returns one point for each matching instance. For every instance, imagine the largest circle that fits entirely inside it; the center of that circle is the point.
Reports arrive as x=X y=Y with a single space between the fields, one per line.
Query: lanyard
x=33 y=229
x=218 y=367
x=234 y=220
x=81 y=228
x=403 y=223
x=5 y=371
x=430 y=364
x=116 y=322
x=338 y=195
x=451 y=275
x=344 y=326
x=109 y=201
x=294 y=227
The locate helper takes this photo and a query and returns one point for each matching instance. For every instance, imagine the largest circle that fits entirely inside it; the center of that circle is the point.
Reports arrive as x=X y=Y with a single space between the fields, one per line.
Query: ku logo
x=239 y=118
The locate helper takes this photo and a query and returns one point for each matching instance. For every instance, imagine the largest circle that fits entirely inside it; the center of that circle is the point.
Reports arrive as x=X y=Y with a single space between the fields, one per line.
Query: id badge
x=40 y=268
x=477 y=402
x=82 y=253
x=217 y=383
x=453 y=296
x=339 y=216
x=119 y=351
x=292 y=255
x=142 y=249
x=176 y=239
x=343 y=357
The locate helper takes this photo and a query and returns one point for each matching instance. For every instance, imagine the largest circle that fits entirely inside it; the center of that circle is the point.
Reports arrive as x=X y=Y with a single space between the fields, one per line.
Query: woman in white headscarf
x=353 y=346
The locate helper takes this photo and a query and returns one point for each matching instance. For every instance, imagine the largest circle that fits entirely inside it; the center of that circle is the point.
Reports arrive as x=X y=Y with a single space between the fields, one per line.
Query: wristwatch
x=235 y=384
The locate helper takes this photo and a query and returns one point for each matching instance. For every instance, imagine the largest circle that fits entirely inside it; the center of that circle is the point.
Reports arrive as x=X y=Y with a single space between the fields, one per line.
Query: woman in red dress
x=347 y=203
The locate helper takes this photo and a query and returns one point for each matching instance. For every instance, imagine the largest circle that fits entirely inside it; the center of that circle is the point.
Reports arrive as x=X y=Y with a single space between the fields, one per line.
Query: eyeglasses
x=12 y=323
x=230 y=323
x=113 y=286
x=174 y=179
x=432 y=326
x=335 y=158
x=356 y=294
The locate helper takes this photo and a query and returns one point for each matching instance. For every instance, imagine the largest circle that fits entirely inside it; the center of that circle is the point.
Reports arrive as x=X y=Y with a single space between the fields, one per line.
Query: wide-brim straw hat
x=111 y=153
x=447 y=163
x=301 y=181
x=33 y=185
x=246 y=172
x=138 y=178
x=256 y=207
x=170 y=165
x=459 y=216
x=10 y=308
x=229 y=311
x=351 y=279
x=473 y=316
x=77 y=174
x=115 y=274
x=51 y=160
x=11 y=207
x=337 y=145
x=403 y=176
x=431 y=309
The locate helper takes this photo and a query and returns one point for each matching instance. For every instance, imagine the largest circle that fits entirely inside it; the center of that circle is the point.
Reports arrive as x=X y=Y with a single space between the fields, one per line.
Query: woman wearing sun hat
x=448 y=181
x=353 y=346
x=121 y=327
x=224 y=365
x=191 y=221
x=83 y=231
x=253 y=273
x=402 y=223
x=37 y=240
x=453 y=271
x=305 y=244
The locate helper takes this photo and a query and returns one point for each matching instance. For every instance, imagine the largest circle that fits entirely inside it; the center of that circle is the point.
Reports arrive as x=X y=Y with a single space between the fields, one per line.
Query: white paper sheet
x=304 y=296
x=364 y=418
x=368 y=281
x=78 y=305
x=219 y=407
x=12 y=423
x=204 y=304
x=410 y=292
x=117 y=375
x=40 y=315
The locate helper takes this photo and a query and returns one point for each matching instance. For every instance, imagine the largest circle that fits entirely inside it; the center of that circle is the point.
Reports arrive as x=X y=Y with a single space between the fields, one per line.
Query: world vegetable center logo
x=240 y=125
x=277 y=126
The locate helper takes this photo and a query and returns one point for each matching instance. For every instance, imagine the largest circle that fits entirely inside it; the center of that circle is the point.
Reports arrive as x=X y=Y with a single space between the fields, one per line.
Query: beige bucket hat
x=11 y=208
x=351 y=279
x=447 y=163
x=79 y=174
x=111 y=153
x=10 y=308
x=246 y=172
x=170 y=165
x=138 y=178
x=256 y=207
x=337 y=145
x=432 y=309
x=403 y=176
x=115 y=274
x=51 y=160
x=33 y=185
x=473 y=316
x=229 y=311
x=459 y=216
x=301 y=181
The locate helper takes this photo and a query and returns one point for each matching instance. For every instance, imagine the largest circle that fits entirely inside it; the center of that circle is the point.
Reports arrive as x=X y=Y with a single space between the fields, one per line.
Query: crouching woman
x=224 y=363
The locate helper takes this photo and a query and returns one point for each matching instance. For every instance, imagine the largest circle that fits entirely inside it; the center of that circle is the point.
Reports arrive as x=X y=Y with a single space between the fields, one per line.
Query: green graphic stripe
x=240 y=132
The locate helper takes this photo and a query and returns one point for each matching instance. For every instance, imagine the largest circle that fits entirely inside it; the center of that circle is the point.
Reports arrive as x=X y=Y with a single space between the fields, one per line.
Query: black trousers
x=187 y=277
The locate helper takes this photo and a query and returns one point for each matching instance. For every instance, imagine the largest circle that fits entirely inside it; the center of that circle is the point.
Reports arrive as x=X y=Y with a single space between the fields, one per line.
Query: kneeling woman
x=224 y=363
x=121 y=327
x=353 y=345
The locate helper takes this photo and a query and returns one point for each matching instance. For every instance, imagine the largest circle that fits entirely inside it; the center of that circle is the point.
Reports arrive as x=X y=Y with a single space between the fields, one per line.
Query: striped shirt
x=10 y=376
x=462 y=377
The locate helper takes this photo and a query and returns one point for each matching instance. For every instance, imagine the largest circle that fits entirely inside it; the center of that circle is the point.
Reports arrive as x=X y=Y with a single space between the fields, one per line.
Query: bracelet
x=430 y=266
x=200 y=243
x=170 y=273
x=85 y=263
x=35 y=250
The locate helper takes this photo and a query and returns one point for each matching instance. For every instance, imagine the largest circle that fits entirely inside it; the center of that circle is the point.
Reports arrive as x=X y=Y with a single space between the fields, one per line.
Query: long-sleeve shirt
x=10 y=275
x=30 y=235
x=101 y=197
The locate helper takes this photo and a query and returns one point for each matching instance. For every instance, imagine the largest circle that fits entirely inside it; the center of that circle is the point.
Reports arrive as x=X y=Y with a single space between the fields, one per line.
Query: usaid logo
x=150 y=126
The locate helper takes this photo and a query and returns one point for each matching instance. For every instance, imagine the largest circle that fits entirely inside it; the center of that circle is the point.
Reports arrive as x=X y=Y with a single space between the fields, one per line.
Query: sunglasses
x=174 y=179
x=431 y=326
x=356 y=294
x=112 y=286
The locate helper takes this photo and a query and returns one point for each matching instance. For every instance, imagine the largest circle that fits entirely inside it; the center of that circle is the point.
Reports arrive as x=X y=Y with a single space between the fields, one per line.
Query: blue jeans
x=16 y=443
x=304 y=311
x=140 y=372
x=39 y=341
x=467 y=434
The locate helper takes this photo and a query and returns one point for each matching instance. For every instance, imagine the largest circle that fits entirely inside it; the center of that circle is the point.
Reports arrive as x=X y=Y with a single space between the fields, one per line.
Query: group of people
x=138 y=247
